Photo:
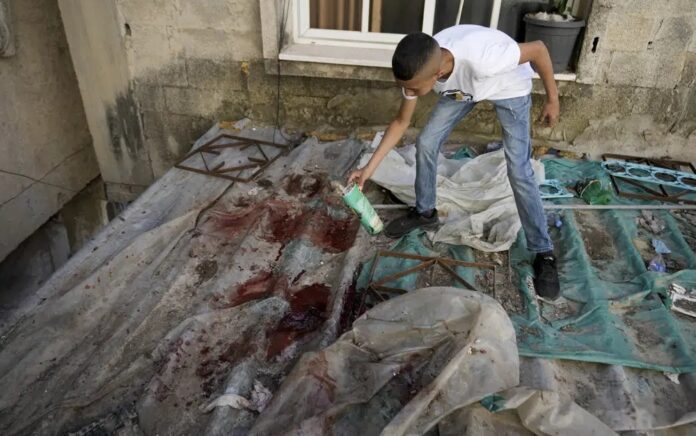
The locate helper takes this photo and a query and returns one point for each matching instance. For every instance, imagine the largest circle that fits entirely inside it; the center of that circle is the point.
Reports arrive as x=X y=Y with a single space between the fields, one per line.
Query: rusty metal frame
x=378 y=287
x=651 y=194
x=220 y=170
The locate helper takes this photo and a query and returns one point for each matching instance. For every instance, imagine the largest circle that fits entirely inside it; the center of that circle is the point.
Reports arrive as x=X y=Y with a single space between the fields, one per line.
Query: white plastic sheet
x=474 y=196
x=456 y=347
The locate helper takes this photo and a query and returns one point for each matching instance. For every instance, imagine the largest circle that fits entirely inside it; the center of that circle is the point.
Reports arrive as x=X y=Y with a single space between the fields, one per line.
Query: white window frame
x=304 y=34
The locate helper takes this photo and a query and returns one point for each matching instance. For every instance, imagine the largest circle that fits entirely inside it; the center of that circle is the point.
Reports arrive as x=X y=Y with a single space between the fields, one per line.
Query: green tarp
x=613 y=309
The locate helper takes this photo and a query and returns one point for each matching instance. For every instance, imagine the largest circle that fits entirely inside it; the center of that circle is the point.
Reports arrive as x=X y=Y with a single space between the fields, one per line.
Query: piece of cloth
x=405 y=365
x=474 y=198
x=486 y=65
x=513 y=115
x=418 y=362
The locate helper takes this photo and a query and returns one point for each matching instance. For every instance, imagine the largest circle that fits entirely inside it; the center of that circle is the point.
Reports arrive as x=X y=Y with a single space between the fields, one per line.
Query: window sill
x=342 y=62
x=560 y=77
x=364 y=57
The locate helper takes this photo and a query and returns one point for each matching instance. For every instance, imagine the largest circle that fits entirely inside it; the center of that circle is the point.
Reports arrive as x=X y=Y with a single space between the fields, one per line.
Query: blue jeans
x=513 y=114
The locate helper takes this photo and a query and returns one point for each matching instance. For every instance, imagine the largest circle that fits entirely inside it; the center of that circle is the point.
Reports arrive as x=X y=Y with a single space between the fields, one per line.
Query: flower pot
x=559 y=36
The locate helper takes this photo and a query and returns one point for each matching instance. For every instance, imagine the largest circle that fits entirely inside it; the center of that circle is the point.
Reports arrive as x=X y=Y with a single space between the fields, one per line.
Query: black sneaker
x=412 y=220
x=546 y=276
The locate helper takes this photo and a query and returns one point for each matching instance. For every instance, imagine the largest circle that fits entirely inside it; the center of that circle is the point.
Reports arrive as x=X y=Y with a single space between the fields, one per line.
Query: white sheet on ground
x=450 y=347
x=474 y=196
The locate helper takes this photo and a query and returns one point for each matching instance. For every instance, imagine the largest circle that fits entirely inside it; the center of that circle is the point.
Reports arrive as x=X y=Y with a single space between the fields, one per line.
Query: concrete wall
x=46 y=154
x=191 y=63
x=48 y=248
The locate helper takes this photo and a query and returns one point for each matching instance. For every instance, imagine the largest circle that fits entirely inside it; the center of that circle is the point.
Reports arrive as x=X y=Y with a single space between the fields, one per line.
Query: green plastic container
x=355 y=199
x=593 y=192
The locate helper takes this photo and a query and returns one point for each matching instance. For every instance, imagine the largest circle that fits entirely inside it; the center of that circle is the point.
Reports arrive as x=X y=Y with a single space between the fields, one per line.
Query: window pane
x=396 y=16
x=445 y=14
x=335 y=14
x=512 y=12
x=473 y=12
x=479 y=12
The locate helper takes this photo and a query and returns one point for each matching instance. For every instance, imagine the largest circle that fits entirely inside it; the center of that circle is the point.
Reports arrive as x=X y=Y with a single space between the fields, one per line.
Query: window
x=382 y=23
x=364 y=33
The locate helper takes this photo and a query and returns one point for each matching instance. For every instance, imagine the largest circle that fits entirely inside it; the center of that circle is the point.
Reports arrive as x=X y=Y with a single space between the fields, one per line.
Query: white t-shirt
x=486 y=65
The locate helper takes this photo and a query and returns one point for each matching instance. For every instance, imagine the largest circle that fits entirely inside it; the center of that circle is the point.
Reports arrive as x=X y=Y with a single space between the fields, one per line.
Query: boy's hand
x=359 y=176
x=550 y=112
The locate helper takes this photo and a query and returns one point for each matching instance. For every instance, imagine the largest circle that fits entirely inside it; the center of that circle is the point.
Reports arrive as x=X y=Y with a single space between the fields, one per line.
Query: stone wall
x=45 y=145
x=191 y=63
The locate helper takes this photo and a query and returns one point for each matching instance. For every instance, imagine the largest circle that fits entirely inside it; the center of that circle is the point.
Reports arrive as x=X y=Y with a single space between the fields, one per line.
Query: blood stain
x=308 y=311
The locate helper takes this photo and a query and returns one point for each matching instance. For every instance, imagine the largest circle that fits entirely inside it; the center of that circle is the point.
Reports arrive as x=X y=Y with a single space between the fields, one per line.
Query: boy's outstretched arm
x=393 y=134
x=536 y=53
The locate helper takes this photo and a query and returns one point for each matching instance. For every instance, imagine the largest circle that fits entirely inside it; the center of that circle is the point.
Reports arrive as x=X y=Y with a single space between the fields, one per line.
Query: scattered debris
x=673 y=377
x=657 y=264
x=230 y=400
x=660 y=247
x=592 y=191
x=683 y=301
x=376 y=140
x=554 y=219
x=235 y=125
x=260 y=396
x=650 y=222
x=541 y=150
x=494 y=146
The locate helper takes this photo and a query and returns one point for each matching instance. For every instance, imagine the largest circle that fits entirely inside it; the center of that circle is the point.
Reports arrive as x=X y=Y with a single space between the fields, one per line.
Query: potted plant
x=558 y=29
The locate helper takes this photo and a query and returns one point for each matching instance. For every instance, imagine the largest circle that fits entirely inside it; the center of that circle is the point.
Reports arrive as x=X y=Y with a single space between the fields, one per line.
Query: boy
x=466 y=64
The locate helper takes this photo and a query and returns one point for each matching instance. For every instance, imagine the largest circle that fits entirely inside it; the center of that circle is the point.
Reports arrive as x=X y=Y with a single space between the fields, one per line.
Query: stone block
x=206 y=43
x=330 y=87
x=374 y=106
x=153 y=125
x=189 y=101
x=673 y=35
x=635 y=69
x=179 y=133
x=303 y=110
x=76 y=171
x=247 y=46
x=692 y=44
x=246 y=16
x=214 y=74
x=209 y=14
x=688 y=75
x=175 y=73
x=155 y=55
x=151 y=12
x=670 y=67
x=628 y=32
x=638 y=7
x=27 y=211
x=11 y=185
x=150 y=97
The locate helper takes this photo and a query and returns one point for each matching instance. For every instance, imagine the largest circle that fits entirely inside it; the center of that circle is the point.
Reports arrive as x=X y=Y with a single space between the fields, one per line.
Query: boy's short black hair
x=412 y=54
